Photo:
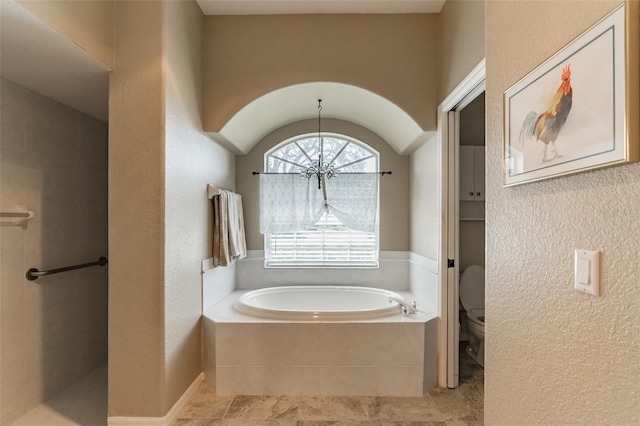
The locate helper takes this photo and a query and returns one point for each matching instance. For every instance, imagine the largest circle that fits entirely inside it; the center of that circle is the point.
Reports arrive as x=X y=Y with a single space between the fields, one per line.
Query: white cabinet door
x=471 y=173
x=467 y=173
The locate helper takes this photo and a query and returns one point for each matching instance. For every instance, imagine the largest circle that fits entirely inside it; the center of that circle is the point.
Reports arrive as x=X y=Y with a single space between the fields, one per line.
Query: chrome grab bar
x=34 y=273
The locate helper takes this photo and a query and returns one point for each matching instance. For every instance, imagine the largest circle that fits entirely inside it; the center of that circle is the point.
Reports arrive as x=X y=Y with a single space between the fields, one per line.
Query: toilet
x=472 y=300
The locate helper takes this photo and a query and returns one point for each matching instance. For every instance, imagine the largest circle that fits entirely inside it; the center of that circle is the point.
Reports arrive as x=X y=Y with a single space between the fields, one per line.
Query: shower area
x=53 y=205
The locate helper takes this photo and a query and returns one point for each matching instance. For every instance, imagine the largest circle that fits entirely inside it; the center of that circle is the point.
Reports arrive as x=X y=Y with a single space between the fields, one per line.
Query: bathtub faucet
x=405 y=307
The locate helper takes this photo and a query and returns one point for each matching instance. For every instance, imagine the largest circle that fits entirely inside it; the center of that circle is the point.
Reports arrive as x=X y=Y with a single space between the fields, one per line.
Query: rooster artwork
x=545 y=127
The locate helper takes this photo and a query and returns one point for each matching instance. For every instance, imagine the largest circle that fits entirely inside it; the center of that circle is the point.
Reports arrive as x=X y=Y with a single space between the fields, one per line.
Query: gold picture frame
x=549 y=133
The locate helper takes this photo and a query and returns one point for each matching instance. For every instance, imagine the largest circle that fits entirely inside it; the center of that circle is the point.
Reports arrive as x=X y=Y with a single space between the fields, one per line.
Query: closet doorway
x=449 y=131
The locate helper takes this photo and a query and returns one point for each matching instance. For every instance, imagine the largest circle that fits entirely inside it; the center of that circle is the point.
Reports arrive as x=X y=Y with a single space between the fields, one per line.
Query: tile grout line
x=224 y=415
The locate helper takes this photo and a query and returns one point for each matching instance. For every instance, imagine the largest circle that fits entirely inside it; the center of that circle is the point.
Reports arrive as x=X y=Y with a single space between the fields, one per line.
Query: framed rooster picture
x=579 y=109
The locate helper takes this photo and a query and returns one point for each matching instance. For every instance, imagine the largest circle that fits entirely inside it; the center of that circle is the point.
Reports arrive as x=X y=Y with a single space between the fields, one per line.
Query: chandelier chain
x=319 y=168
x=319 y=119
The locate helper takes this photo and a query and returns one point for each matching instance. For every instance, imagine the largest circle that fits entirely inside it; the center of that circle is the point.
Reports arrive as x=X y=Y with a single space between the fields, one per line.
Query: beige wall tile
x=92 y=349
x=12 y=402
x=414 y=382
x=54 y=328
x=351 y=380
x=12 y=184
x=323 y=358
x=12 y=321
x=363 y=344
x=392 y=344
x=392 y=381
x=319 y=344
x=241 y=344
x=209 y=351
x=414 y=344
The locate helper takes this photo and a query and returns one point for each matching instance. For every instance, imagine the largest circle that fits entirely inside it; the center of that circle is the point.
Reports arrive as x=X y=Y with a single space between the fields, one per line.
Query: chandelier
x=319 y=168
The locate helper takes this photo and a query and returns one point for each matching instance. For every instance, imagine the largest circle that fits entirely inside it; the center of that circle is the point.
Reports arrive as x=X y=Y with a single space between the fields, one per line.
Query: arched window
x=328 y=242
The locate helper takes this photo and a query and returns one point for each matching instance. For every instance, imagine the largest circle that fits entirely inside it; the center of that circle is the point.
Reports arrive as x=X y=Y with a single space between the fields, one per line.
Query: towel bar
x=34 y=273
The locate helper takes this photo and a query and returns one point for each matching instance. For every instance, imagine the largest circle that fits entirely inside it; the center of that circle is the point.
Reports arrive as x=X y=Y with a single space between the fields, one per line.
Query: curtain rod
x=337 y=174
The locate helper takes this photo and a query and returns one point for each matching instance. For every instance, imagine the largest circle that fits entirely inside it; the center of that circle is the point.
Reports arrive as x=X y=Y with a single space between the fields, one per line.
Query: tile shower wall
x=53 y=330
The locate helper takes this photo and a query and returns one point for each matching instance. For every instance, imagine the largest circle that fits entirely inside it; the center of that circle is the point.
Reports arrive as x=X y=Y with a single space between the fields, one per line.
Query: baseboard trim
x=160 y=421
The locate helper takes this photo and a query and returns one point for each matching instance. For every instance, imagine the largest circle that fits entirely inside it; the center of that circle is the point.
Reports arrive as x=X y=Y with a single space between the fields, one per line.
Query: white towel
x=229 y=241
x=237 y=240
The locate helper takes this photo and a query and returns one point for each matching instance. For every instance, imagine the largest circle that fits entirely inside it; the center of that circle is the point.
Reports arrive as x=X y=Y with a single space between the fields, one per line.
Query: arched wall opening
x=340 y=101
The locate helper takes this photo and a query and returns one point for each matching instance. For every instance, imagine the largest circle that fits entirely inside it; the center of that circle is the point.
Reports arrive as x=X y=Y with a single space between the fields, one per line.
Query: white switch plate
x=587 y=272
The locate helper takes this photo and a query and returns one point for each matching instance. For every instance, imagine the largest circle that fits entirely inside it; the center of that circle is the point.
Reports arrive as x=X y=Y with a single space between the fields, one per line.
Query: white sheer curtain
x=290 y=203
x=353 y=199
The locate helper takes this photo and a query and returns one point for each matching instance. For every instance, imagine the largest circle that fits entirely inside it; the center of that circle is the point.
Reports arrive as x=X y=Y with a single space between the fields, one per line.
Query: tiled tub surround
x=393 y=273
x=393 y=355
x=398 y=271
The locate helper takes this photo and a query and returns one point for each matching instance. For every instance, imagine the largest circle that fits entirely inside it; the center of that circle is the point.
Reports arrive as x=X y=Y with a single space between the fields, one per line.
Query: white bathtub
x=319 y=303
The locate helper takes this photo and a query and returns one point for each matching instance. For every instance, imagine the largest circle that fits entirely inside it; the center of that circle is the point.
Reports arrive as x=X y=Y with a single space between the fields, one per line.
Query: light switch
x=587 y=272
x=583 y=271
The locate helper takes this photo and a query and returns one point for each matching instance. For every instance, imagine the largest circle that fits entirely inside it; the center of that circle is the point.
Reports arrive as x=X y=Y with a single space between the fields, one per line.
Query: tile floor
x=82 y=403
x=85 y=403
x=443 y=407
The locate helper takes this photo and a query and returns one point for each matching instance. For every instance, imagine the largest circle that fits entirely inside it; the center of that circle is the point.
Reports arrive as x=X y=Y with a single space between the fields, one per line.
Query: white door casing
x=448 y=151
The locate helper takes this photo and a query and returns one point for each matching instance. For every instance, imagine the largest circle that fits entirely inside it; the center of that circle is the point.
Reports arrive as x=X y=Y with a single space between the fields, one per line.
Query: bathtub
x=319 y=340
x=319 y=303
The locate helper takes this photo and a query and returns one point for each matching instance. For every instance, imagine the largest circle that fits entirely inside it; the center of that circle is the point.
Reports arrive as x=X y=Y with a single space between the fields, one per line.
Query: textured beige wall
x=461 y=49
x=192 y=161
x=394 y=56
x=137 y=213
x=89 y=24
x=53 y=161
x=424 y=212
x=394 y=188
x=462 y=35
x=553 y=355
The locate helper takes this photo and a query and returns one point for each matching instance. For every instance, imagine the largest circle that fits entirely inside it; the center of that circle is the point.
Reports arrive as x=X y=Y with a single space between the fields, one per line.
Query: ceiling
x=288 y=7
x=40 y=59
x=37 y=57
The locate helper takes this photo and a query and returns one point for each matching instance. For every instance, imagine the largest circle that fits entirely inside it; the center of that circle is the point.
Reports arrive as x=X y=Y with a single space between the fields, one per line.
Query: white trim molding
x=168 y=418
x=468 y=89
